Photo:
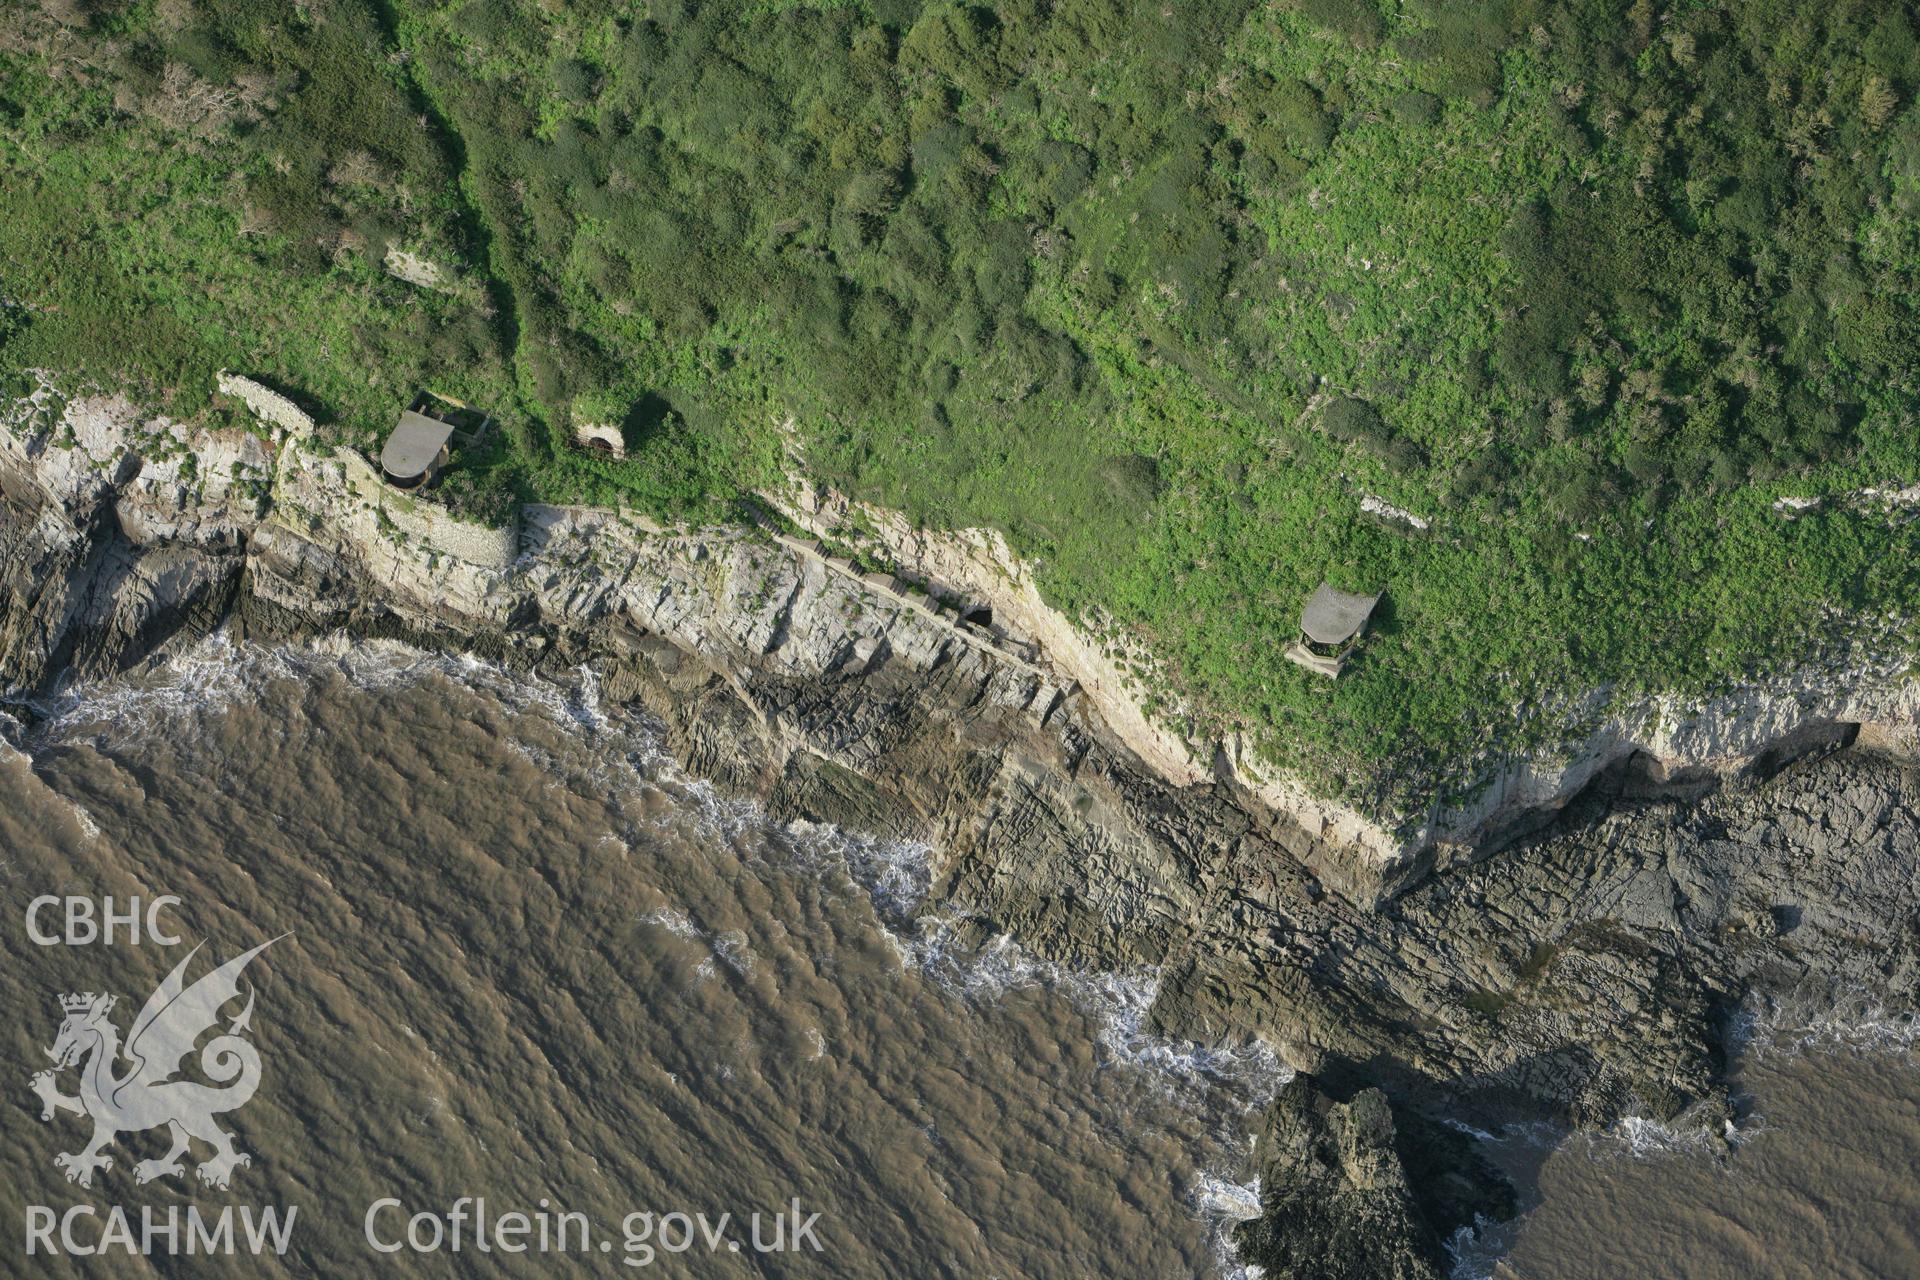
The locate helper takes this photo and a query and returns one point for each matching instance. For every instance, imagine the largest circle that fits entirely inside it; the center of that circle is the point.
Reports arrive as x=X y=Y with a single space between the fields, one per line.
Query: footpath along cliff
x=1571 y=948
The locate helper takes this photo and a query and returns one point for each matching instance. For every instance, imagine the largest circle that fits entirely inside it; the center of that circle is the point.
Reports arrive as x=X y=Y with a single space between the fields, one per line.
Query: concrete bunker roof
x=416 y=441
x=1335 y=617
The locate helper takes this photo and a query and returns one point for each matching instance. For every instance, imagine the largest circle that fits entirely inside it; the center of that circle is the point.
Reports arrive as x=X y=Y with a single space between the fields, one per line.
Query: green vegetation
x=1159 y=290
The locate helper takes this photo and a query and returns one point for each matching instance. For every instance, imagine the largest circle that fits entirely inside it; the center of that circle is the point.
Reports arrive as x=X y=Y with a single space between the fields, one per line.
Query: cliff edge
x=1586 y=973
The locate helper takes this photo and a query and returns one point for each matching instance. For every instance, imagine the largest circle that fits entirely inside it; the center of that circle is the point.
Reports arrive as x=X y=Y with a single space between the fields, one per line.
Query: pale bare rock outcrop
x=1381 y=509
x=168 y=482
x=1892 y=501
x=404 y=264
x=1684 y=741
x=732 y=596
x=119 y=532
x=1581 y=976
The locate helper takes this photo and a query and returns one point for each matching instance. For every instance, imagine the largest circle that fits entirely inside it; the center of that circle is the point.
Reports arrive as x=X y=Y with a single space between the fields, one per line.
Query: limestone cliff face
x=773 y=671
x=314 y=533
x=116 y=532
x=1583 y=974
x=1682 y=743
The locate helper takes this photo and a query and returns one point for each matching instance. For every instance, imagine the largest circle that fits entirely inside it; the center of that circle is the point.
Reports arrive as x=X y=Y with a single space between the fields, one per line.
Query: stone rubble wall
x=267 y=404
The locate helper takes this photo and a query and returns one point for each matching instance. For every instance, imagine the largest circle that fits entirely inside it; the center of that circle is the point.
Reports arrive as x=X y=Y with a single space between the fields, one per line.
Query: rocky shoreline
x=1586 y=971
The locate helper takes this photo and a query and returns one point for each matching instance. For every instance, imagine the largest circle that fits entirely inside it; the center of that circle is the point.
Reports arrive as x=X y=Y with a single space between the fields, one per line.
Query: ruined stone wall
x=267 y=404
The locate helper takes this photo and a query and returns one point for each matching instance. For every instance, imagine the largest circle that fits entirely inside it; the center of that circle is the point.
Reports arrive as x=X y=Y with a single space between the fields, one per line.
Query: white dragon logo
x=148 y=1095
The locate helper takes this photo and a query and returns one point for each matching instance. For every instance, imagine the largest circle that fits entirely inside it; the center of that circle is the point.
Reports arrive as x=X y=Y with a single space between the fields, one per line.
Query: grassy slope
x=1160 y=290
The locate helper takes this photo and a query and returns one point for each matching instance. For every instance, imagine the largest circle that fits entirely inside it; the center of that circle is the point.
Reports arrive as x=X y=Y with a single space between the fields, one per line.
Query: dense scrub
x=1160 y=290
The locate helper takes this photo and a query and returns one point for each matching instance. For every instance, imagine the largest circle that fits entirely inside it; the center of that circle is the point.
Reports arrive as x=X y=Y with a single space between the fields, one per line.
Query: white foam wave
x=208 y=674
x=1854 y=1020
x=674 y=922
x=729 y=948
x=1642 y=1138
x=1219 y=1197
x=1476 y=1250
x=217 y=671
x=1461 y=1126
x=81 y=818
x=627 y=752
x=1120 y=1002
x=12 y=734
x=1225 y=1204
x=732 y=948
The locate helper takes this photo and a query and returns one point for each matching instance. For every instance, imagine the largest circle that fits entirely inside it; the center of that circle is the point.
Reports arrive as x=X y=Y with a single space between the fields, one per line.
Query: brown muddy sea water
x=530 y=961
x=1822 y=1182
